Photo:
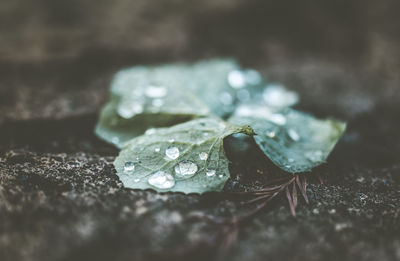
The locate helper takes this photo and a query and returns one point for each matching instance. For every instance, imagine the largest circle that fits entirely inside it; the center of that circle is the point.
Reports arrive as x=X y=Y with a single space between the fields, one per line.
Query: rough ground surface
x=59 y=196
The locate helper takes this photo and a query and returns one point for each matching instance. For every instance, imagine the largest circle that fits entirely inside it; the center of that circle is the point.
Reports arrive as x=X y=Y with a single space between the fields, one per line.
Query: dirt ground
x=59 y=196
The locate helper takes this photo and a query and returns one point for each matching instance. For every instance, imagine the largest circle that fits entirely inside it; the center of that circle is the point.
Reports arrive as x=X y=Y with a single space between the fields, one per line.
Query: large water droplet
x=210 y=172
x=129 y=167
x=248 y=110
x=203 y=156
x=243 y=111
x=185 y=169
x=128 y=110
x=293 y=135
x=236 y=79
x=157 y=149
x=115 y=140
x=172 y=152
x=161 y=180
x=275 y=95
x=156 y=91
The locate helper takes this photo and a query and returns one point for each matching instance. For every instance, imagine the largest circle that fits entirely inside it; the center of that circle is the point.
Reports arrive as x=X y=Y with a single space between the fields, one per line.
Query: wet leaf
x=117 y=130
x=188 y=157
x=293 y=140
x=160 y=96
x=145 y=97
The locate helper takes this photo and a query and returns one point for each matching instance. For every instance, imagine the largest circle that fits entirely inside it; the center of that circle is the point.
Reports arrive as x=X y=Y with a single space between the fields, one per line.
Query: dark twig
x=294 y=195
x=291 y=204
x=302 y=188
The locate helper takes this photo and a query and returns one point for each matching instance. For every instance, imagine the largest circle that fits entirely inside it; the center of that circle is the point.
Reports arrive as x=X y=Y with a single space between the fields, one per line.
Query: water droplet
x=157 y=102
x=136 y=180
x=275 y=95
x=243 y=95
x=210 y=172
x=115 y=140
x=129 y=167
x=243 y=111
x=156 y=91
x=171 y=140
x=293 y=135
x=220 y=176
x=236 y=79
x=291 y=160
x=185 y=169
x=161 y=180
x=277 y=118
x=203 y=156
x=150 y=131
x=157 y=149
x=249 y=110
x=270 y=134
x=127 y=110
x=314 y=156
x=226 y=98
x=172 y=152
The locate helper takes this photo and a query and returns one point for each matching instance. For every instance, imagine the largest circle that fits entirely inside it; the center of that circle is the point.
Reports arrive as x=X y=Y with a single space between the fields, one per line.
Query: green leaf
x=143 y=97
x=117 y=130
x=188 y=157
x=293 y=140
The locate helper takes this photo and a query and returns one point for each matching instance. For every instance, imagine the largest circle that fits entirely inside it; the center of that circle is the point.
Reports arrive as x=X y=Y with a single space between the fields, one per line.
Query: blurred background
x=328 y=47
x=59 y=197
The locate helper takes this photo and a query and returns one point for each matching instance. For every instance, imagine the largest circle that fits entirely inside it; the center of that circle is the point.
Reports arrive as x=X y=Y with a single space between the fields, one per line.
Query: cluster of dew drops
x=153 y=95
x=184 y=169
x=274 y=95
x=128 y=109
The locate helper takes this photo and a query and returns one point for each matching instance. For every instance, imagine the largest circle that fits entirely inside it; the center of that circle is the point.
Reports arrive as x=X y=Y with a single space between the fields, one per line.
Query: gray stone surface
x=59 y=196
